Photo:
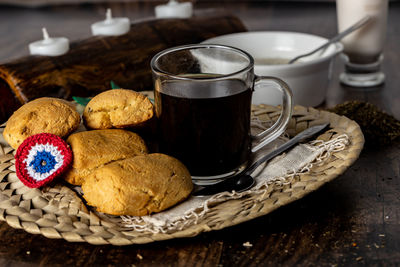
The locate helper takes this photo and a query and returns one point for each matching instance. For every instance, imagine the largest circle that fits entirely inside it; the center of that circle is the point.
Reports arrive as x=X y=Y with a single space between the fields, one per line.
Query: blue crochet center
x=43 y=162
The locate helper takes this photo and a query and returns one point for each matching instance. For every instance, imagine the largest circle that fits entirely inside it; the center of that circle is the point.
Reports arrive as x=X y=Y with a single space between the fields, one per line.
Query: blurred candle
x=174 y=10
x=111 y=26
x=49 y=46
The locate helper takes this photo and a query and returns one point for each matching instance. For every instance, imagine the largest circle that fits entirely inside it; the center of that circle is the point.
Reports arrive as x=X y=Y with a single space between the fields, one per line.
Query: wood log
x=91 y=64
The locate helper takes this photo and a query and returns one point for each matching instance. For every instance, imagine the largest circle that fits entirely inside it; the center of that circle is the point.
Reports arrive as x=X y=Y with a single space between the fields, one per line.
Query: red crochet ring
x=41 y=158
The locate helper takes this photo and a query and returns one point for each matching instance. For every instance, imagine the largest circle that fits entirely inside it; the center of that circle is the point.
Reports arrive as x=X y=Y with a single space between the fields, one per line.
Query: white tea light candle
x=49 y=46
x=111 y=26
x=174 y=10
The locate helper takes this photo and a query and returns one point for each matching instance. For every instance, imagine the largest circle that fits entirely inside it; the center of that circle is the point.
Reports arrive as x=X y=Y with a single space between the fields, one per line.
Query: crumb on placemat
x=247 y=244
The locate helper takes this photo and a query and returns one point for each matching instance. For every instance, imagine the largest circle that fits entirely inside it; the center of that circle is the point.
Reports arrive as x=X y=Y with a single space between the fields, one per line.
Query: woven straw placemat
x=58 y=212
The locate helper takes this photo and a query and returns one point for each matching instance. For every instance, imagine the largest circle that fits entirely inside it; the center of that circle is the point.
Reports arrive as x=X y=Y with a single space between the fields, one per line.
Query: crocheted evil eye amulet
x=41 y=158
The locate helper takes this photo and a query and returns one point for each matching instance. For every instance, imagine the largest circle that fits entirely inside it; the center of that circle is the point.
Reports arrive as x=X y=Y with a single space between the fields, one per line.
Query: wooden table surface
x=353 y=220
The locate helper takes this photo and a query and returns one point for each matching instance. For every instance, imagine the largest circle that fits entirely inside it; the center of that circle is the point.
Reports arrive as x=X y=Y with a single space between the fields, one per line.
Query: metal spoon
x=244 y=180
x=338 y=37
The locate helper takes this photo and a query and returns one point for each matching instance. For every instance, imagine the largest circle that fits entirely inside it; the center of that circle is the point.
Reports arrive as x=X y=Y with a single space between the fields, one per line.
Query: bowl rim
x=338 y=47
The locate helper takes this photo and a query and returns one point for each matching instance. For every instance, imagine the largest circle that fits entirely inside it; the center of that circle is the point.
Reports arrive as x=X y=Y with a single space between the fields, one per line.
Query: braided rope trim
x=57 y=212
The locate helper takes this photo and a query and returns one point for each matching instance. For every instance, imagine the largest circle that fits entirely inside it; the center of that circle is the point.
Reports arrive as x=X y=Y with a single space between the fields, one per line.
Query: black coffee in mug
x=206 y=125
x=203 y=106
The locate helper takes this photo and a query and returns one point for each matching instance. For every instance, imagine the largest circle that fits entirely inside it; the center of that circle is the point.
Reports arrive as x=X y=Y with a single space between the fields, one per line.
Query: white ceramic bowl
x=308 y=78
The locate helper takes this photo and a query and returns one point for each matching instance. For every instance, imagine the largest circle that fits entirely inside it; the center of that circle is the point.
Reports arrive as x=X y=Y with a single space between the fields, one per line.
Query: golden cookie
x=42 y=115
x=93 y=149
x=138 y=186
x=117 y=108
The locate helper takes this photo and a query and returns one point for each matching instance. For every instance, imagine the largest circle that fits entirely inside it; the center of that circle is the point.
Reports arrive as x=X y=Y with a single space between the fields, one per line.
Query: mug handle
x=287 y=108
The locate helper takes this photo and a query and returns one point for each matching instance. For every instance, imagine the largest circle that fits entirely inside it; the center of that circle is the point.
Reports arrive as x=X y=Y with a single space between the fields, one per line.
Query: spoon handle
x=336 y=38
x=304 y=135
x=352 y=28
x=244 y=181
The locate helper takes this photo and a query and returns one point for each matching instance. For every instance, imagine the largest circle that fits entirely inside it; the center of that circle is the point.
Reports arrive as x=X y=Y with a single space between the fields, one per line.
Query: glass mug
x=363 y=49
x=203 y=106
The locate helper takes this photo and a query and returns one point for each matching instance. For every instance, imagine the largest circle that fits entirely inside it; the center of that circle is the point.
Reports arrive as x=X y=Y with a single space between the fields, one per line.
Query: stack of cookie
x=117 y=174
